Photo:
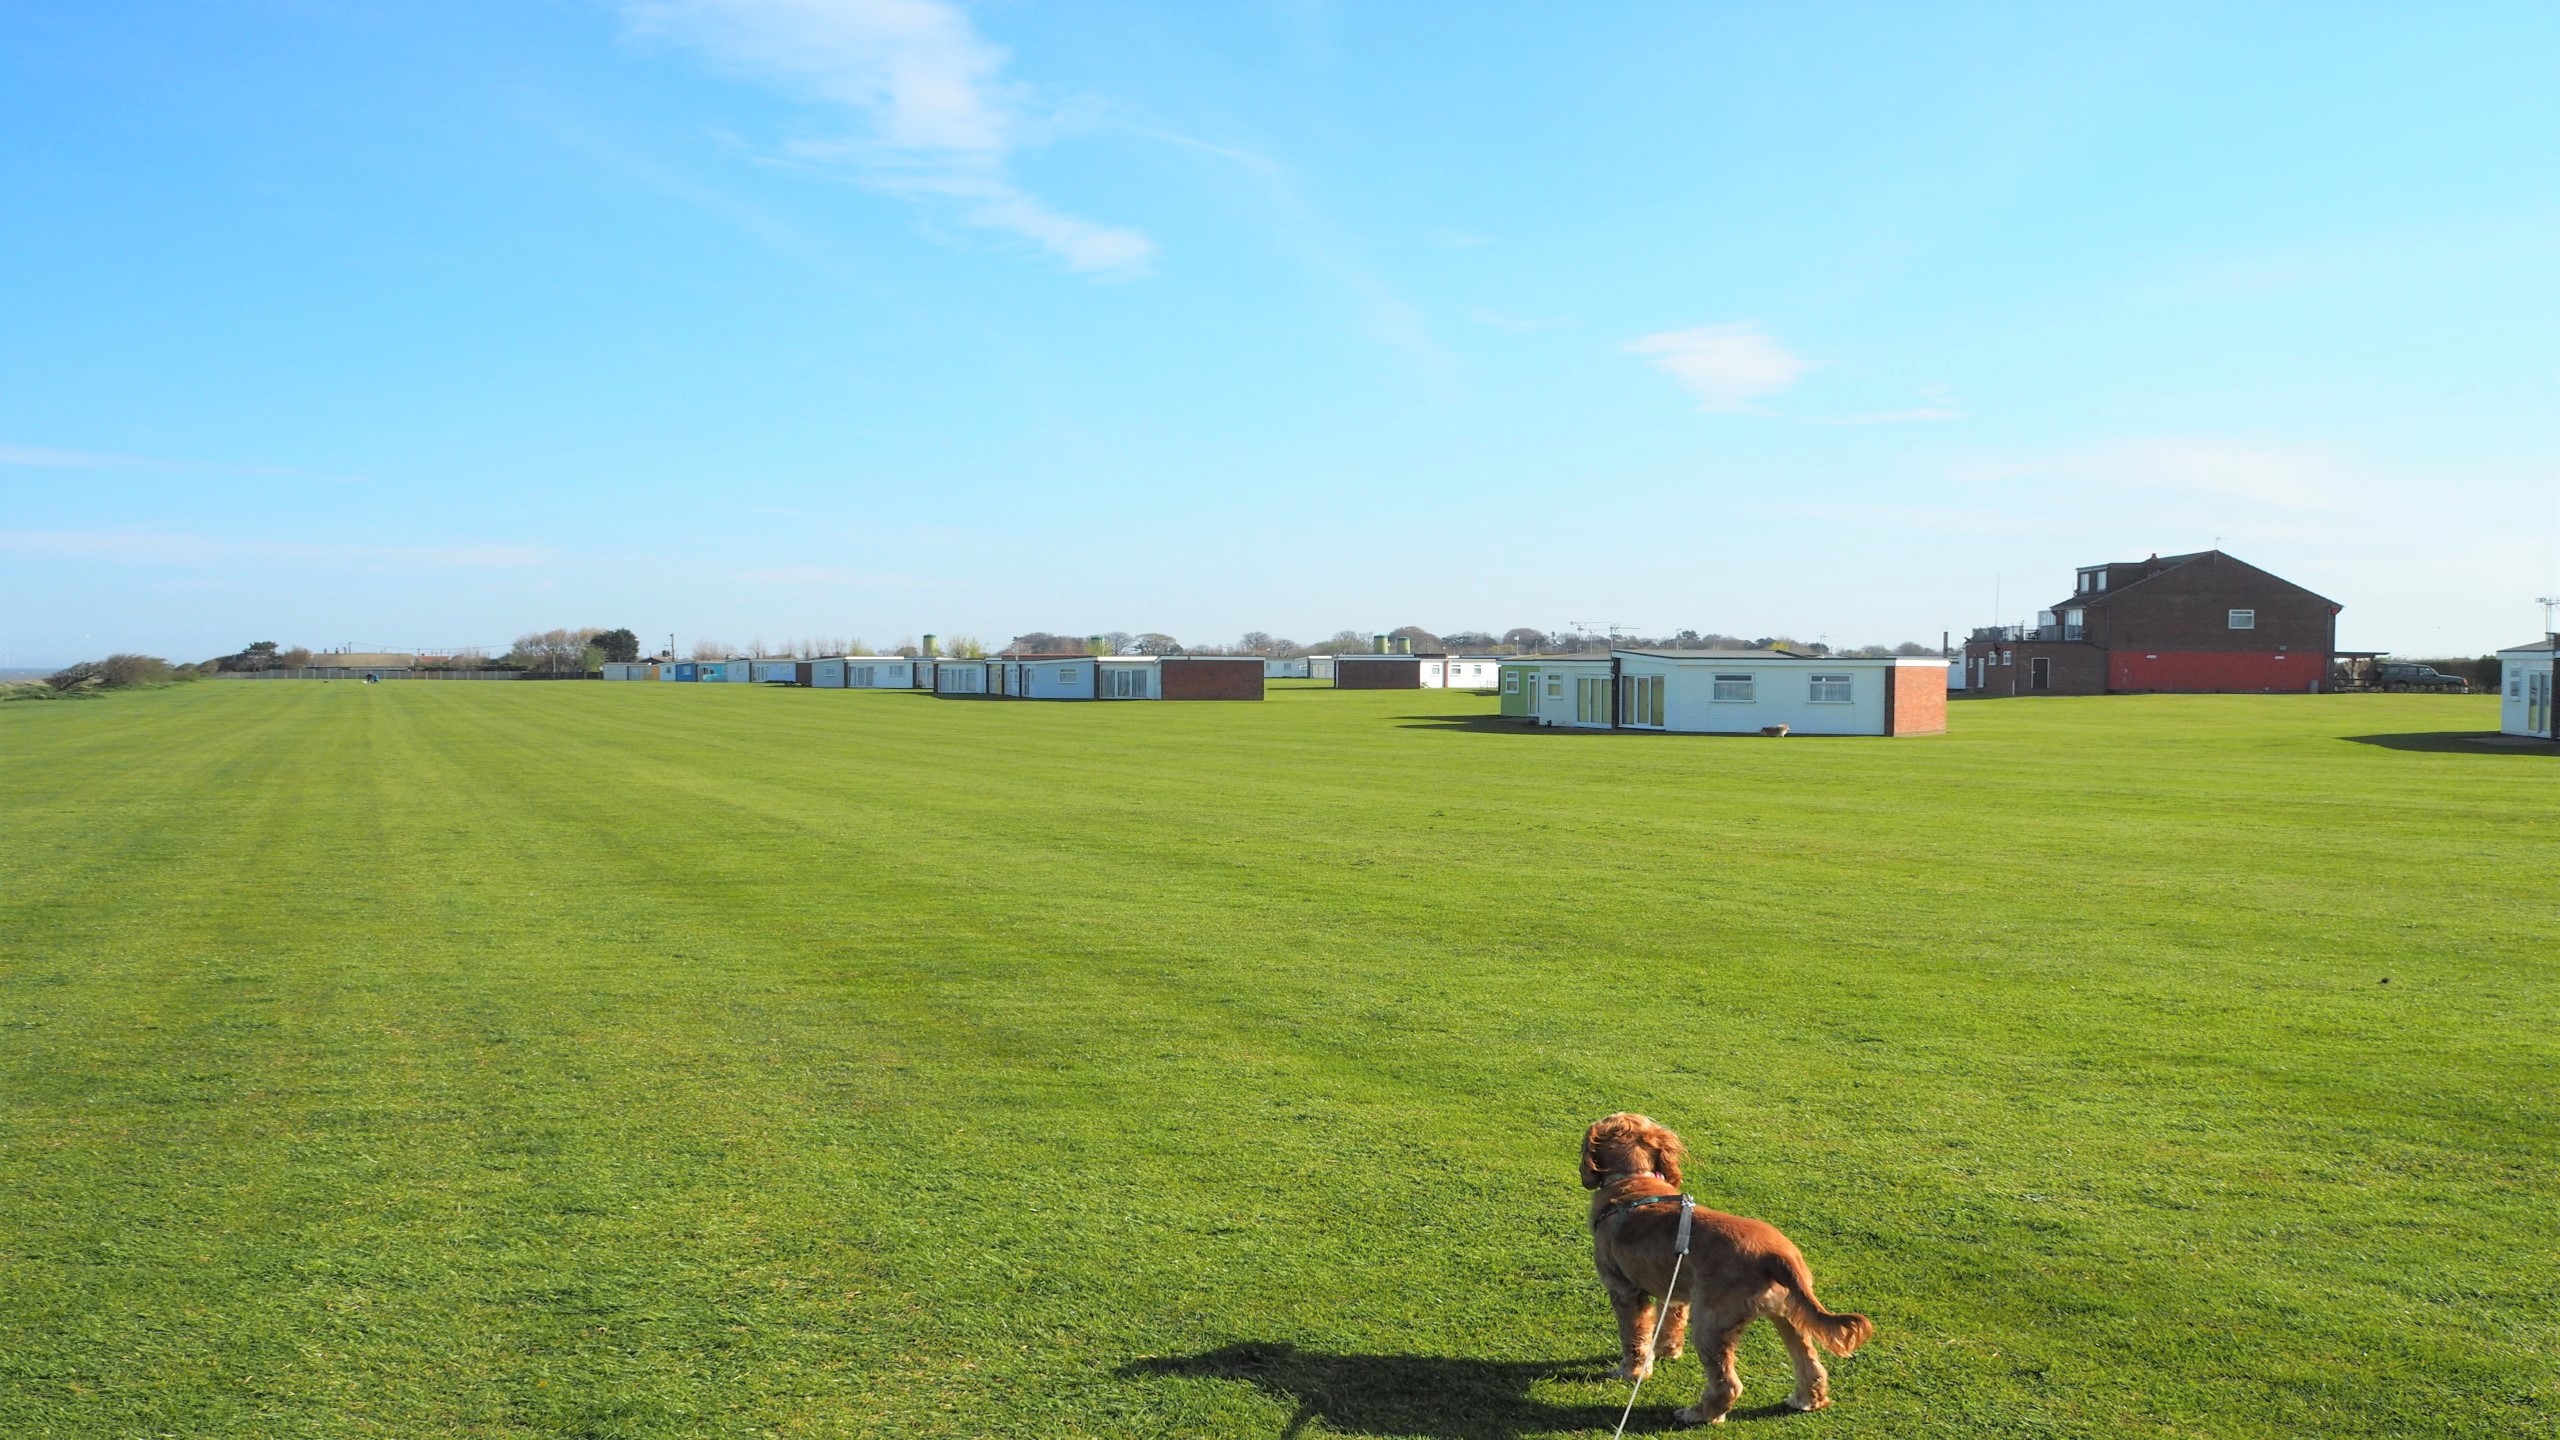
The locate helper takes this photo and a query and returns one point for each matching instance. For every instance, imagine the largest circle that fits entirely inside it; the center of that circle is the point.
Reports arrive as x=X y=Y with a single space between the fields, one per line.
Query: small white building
x=1107 y=677
x=961 y=677
x=1568 y=690
x=2529 y=689
x=1731 y=692
x=1298 y=669
x=1460 y=672
x=863 y=672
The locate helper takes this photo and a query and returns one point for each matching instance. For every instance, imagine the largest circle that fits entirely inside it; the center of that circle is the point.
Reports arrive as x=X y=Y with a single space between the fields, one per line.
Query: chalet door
x=2537 y=702
x=2043 y=674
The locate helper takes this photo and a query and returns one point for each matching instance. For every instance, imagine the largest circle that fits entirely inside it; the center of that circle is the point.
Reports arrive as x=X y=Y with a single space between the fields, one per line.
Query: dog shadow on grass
x=1430 y=1397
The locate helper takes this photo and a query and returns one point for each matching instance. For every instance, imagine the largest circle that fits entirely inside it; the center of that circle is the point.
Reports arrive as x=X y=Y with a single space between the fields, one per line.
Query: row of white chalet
x=1730 y=692
x=1014 y=677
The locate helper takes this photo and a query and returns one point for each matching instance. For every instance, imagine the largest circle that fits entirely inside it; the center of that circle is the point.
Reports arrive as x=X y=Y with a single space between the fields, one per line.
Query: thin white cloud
x=158 y=547
x=1916 y=415
x=941 y=118
x=1728 y=367
x=33 y=457
x=2294 y=477
x=36 y=458
x=830 y=577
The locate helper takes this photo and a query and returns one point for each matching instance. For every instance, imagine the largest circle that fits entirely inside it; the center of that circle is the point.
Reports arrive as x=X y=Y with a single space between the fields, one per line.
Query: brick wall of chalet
x=1387 y=672
x=1917 y=700
x=1208 y=677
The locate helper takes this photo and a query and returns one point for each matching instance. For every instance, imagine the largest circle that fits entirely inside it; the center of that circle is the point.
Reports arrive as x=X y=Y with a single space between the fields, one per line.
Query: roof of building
x=2547 y=645
x=2159 y=565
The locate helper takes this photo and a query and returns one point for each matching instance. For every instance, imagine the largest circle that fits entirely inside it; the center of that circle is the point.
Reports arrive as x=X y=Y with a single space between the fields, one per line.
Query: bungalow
x=861 y=672
x=2529 y=698
x=1570 y=690
x=1460 y=672
x=1732 y=692
x=1106 y=677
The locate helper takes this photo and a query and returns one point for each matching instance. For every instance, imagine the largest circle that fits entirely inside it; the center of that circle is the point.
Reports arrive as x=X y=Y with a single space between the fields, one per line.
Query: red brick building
x=2205 y=622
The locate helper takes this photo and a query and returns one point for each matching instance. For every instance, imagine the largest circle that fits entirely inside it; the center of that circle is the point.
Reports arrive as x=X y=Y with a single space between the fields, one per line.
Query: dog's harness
x=1618 y=1210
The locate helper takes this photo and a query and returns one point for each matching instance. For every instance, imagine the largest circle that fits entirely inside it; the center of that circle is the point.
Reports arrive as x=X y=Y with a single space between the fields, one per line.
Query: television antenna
x=1609 y=628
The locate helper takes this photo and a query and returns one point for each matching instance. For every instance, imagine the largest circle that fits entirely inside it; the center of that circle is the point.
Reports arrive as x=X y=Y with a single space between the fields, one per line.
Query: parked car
x=2419 y=677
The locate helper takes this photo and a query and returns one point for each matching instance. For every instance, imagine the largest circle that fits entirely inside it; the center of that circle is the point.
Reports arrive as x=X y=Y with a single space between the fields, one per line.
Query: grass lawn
x=604 y=1060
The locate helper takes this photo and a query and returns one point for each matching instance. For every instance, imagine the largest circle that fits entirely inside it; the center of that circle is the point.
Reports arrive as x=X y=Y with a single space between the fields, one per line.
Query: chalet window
x=1511 y=684
x=2515 y=684
x=1830 y=690
x=1734 y=688
x=2244 y=619
x=1643 y=697
x=2008 y=657
x=1127 y=683
x=1591 y=701
x=1555 y=687
x=1066 y=673
x=859 y=675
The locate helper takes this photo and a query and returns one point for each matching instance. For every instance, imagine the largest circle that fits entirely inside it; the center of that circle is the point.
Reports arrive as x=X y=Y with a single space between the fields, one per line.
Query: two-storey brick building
x=2201 y=622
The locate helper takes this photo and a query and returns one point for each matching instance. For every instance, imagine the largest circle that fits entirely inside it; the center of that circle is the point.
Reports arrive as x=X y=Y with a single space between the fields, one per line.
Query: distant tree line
x=117 y=672
x=1517 y=641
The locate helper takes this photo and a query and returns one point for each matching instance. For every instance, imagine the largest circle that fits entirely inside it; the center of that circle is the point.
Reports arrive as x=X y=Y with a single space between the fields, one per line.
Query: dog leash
x=1679 y=1253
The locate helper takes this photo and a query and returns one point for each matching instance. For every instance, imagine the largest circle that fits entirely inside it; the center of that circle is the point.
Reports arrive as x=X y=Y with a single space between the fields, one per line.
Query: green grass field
x=606 y=1060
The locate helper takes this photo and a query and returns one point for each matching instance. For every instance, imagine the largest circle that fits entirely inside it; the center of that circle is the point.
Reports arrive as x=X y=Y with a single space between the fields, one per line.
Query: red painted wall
x=2226 y=671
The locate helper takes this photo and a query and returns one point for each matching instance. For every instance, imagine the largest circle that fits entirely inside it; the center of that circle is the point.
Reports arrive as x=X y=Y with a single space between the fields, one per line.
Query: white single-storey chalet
x=1460 y=672
x=1106 y=677
x=2529 y=692
x=863 y=672
x=1731 y=692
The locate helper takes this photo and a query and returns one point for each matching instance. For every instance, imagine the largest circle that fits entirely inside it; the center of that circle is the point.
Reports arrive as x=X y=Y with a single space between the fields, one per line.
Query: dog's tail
x=1839 y=1334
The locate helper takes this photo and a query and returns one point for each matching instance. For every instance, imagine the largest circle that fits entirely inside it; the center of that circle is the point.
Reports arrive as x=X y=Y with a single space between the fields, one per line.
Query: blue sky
x=428 y=324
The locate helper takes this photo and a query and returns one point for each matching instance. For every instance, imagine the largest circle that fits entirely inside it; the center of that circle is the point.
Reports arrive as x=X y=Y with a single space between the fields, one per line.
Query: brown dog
x=1738 y=1270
